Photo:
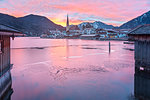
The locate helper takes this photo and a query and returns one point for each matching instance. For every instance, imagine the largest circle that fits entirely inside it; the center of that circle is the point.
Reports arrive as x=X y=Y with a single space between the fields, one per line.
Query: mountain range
x=140 y=20
x=35 y=25
x=96 y=25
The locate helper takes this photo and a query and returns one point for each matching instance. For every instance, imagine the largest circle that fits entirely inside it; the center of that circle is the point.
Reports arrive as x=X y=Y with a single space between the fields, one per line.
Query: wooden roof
x=141 y=30
x=74 y=27
x=7 y=30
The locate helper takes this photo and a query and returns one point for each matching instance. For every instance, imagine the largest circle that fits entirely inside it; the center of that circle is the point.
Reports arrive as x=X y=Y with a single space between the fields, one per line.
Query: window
x=142 y=68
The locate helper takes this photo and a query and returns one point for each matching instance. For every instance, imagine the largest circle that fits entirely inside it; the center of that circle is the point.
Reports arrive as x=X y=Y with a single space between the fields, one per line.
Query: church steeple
x=67 y=24
x=67 y=20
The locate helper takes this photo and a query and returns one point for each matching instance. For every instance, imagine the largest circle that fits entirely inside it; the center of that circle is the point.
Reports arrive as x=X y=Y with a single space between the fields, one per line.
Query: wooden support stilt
x=109 y=47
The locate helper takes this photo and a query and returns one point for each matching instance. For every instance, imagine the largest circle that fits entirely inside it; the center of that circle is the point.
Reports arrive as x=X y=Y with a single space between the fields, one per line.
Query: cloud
x=108 y=11
x=114 y=10
x=148 y=3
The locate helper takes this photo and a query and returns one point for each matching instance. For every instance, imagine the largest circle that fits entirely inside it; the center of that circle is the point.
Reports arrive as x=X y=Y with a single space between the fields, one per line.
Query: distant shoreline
x=102 y=39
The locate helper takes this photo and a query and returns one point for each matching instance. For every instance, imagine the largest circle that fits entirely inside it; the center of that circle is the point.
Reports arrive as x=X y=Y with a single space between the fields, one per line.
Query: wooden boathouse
x=141 y=35
x=5 y=65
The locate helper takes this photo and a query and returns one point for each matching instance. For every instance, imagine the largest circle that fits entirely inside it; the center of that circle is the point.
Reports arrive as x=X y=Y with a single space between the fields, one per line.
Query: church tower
x=67 y=24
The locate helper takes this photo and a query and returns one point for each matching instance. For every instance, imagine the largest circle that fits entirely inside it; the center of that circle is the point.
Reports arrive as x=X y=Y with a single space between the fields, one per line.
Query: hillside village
x=87 y=31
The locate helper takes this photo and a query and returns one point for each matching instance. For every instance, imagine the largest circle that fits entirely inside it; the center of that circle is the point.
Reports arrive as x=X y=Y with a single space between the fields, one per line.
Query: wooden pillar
x=148 y=59
x=109 y=47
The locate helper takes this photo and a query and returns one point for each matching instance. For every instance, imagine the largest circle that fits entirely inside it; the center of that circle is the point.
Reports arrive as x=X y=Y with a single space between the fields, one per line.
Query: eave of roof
x=7 y=30
x=11 y=33
x=132 y=32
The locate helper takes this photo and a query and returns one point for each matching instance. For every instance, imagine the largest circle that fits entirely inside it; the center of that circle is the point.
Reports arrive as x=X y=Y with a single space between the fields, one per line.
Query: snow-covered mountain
x=141 y=20
x=99 y=24
x=96 y=25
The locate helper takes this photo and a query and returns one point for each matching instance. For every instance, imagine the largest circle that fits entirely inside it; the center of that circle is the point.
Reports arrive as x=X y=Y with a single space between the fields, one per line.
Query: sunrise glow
x=114 y=12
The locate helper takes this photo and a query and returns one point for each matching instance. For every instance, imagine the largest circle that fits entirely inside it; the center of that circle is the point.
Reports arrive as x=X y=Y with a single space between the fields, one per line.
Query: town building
x=101 y=32
x=111 y=33
x=88 y=29
x=122 y=33
x=107 y=33
x=74 y=31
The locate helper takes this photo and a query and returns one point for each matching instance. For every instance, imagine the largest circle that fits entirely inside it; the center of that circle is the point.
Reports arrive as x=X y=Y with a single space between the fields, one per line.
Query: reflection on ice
x=73 y=57
x=142 y=85
x=5 y=86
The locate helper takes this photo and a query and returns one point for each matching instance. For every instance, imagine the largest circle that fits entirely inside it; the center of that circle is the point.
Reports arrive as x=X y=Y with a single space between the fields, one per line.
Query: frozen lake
x=61 y=69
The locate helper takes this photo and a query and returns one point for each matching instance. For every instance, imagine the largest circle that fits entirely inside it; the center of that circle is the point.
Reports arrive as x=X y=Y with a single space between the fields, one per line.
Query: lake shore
x=101 y=39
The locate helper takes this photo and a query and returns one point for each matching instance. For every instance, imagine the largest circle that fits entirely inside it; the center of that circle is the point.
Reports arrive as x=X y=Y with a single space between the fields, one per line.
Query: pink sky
x=114 y=12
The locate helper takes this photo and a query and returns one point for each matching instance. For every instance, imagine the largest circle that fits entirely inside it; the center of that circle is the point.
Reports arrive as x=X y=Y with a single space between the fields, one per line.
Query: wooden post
x=109 y=47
